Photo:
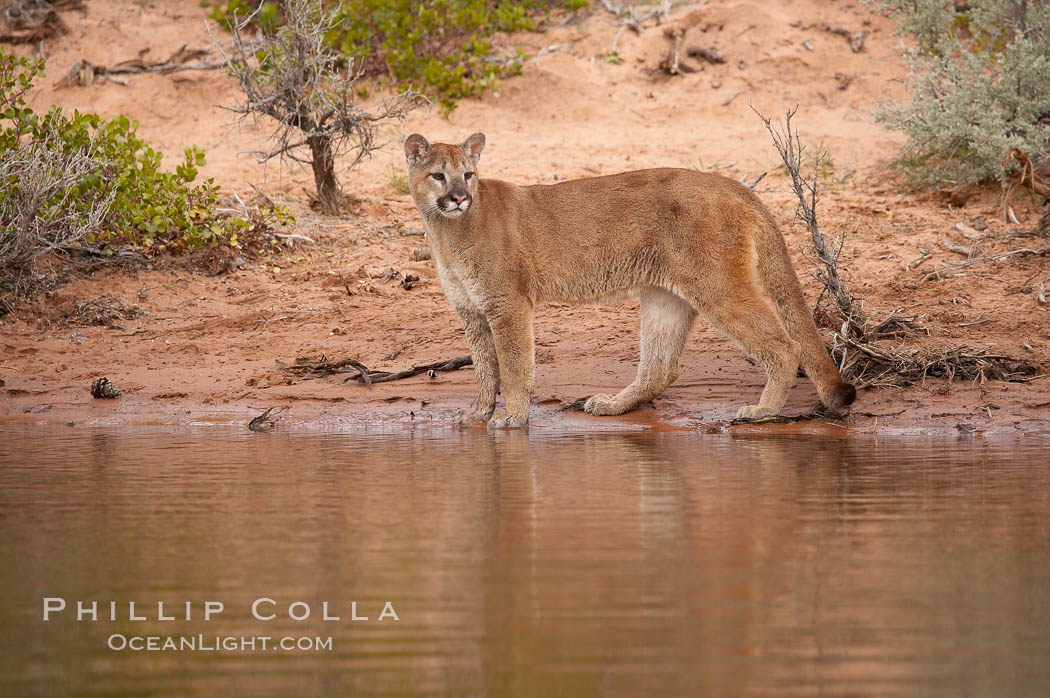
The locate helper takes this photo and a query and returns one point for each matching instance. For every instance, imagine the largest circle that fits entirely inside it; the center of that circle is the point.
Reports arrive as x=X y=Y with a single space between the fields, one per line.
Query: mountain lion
x=685 y=242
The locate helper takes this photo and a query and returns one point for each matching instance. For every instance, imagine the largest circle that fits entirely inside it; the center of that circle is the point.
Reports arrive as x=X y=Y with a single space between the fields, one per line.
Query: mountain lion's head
x=443 y=178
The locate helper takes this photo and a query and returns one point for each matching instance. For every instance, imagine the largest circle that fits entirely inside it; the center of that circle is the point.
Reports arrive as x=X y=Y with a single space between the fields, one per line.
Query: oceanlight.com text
x=217 y=643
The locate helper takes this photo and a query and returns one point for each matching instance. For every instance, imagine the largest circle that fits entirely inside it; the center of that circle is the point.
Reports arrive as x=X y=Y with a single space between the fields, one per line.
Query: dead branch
x=84 y=73
x=874 y=365
x=731 y=97
x=310 y=369
x=792 y=152
x=952 y=268
x=856 y=347
x=957 y=249
x=925 y=254
x=633 y=20
x=42 y=210
x=752 y=185
x=267 y=419
x=322 y=367
x=1027 y=177
x=296 y=79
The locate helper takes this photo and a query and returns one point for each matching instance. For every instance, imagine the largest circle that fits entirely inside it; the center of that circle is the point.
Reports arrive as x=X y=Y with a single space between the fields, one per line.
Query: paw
x=755 y=412
x=601 y=405
x=469 y=417
x=508 y=420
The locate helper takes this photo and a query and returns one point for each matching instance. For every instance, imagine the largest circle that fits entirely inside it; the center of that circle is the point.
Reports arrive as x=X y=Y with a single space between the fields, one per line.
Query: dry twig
x=957 y=249
x=85 y=73
x=310 y=369
x=42 y=211
x=267 y=419
x=952 y=268
x=857 y=345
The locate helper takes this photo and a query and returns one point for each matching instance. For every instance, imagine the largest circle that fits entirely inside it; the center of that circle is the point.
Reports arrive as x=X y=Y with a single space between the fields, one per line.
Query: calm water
x=596 y=564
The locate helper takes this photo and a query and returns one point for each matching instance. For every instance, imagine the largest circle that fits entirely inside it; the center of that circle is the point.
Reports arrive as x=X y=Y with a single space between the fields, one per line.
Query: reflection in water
x=524 y=564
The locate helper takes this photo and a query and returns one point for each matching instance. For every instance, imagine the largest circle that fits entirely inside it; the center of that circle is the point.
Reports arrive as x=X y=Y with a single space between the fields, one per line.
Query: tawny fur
x=684 y=242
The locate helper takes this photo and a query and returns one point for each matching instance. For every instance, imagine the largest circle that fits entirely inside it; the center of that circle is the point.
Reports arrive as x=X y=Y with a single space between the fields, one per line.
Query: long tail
x=778 y=276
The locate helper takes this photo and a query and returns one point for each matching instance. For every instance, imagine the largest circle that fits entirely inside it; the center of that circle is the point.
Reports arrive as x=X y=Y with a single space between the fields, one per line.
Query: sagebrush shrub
x=981 y=81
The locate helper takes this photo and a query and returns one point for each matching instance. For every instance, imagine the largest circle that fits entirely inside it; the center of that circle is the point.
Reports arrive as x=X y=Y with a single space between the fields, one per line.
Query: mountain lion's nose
x=458 y=198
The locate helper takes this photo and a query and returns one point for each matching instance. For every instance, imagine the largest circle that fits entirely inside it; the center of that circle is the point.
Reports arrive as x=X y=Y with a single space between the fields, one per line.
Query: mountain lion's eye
x=438 y=176
x=468 y=175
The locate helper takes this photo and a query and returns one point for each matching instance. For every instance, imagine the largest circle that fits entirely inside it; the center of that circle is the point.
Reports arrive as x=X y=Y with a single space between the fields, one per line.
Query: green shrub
x=439 y=47
x=149 y=207
x=268 y=19
x=981 y=81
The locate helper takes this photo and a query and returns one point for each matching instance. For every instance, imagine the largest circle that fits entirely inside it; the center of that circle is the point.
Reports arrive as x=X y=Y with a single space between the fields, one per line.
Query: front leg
x=486 y=366
x=511 y=326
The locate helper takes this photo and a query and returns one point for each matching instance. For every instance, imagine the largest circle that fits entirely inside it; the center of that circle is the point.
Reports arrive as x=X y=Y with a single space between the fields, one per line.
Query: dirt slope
x=204 y=348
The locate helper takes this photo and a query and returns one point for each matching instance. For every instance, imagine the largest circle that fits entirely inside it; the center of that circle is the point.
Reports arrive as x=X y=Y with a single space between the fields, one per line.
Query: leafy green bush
x=441 y=47
x=268 y=19
x=981 y=81
x=149 y=207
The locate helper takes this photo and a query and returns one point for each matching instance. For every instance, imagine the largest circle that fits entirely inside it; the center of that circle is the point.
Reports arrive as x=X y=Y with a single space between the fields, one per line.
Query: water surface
x=528 y=564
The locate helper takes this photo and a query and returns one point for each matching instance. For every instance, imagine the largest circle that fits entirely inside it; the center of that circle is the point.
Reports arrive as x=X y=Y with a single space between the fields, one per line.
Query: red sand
x=206 y=349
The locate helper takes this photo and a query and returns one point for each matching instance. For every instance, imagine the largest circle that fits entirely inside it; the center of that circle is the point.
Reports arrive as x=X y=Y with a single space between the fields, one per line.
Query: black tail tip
x=843 y=395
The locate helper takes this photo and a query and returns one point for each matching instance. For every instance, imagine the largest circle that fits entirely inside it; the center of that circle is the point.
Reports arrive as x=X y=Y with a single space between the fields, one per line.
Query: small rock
x=420 y=254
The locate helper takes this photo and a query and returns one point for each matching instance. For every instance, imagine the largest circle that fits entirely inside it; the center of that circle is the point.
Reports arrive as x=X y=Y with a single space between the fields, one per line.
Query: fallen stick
x=449 y=365
x=84 y=73
x=926 y=254
x=730 y=98
x=324 y=367
x=951 y=268
x=957 y=249
x=267 y=419
x=294 y=236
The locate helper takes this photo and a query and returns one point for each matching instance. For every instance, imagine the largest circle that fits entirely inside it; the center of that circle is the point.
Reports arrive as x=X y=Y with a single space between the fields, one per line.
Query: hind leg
x=666 y=321
x=751 y=321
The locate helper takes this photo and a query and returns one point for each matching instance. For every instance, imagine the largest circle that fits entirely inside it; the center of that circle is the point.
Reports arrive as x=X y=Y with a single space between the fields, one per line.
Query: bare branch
x=856 y=346
x=43 y=210
x=308 y=89
x=792 y=152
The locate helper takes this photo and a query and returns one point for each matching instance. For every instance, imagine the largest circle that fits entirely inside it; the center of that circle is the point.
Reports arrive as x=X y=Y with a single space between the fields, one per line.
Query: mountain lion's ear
x=474 y=145
x=416 y=147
